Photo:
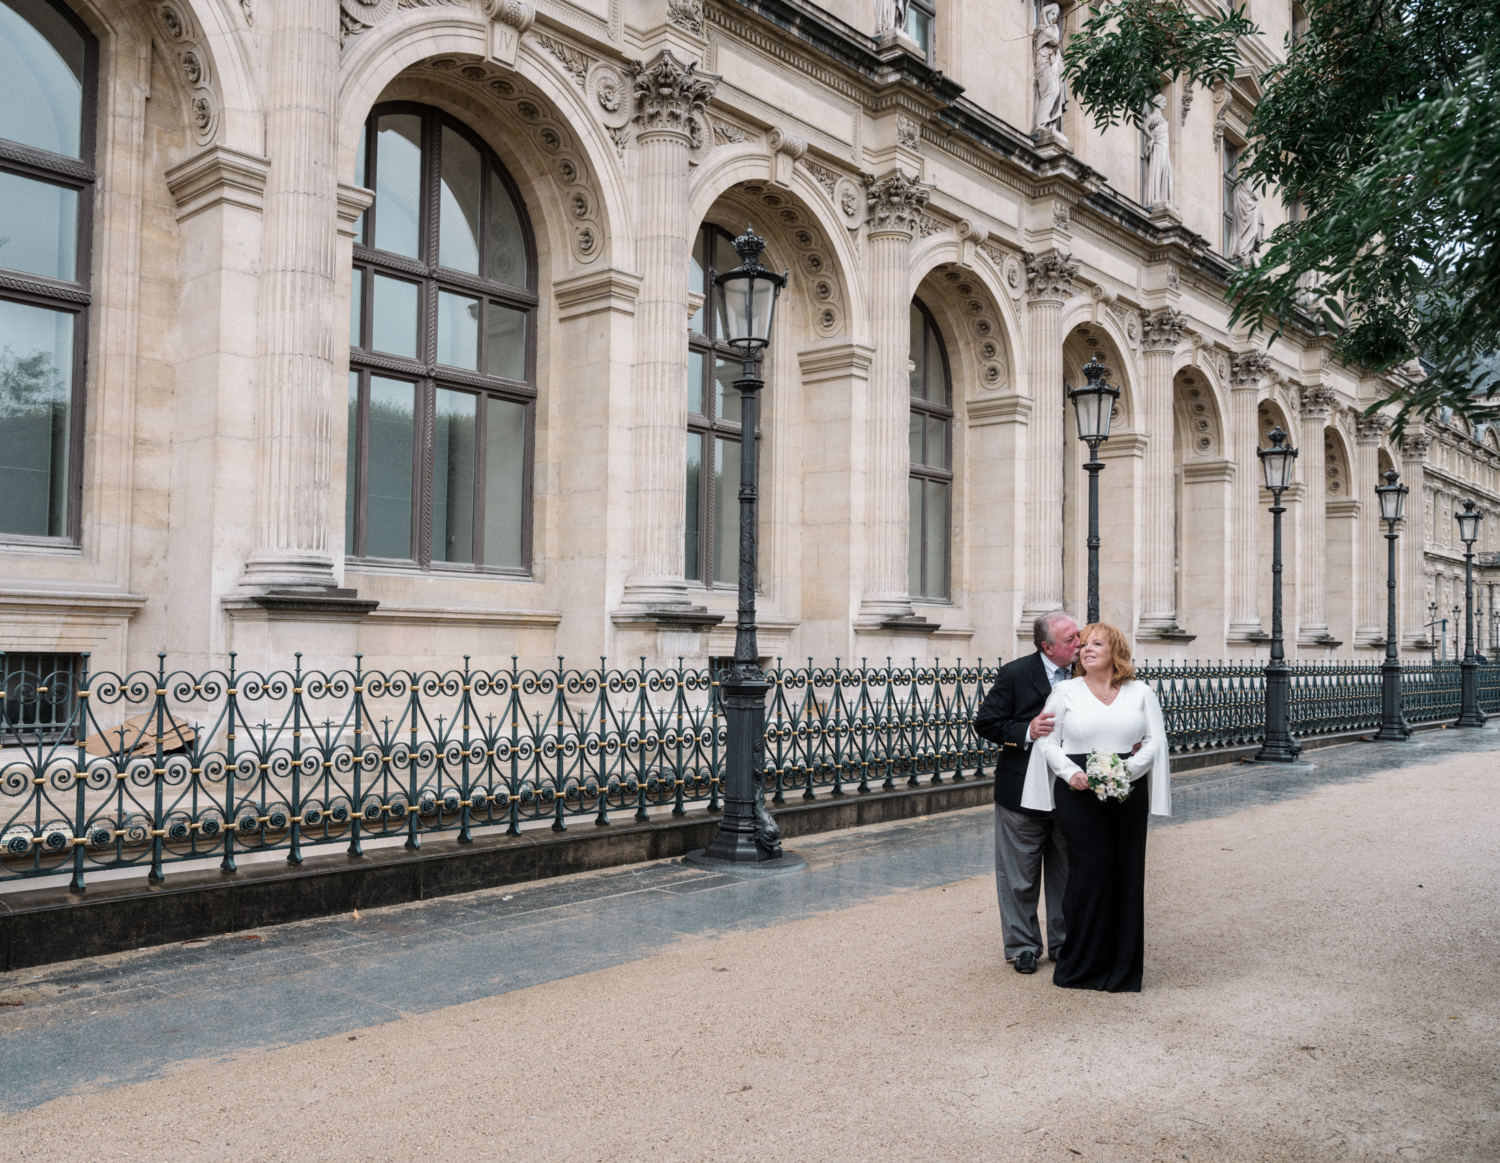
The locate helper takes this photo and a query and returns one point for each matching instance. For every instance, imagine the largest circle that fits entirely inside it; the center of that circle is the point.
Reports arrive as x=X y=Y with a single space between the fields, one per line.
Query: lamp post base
x=786 y=862
x=1406 y=740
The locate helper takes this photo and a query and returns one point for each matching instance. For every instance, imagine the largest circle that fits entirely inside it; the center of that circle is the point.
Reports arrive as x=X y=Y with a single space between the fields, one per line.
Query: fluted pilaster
x=1369 y=614
x=297 y=335
x=1412 y=591
x=894 y=201
x=1246 y=373
x=1161 y=331
x=1312 y=544
x=670 y=99
x=1049 y=284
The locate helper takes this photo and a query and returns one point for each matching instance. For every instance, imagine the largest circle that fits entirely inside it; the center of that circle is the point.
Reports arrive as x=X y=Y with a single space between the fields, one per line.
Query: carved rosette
x=1049 y=277
x=193 y=67
x=1318 y=402
x=1371 y=429
x=1162 y=330
x=672 y=98
x=1246 y=371
x=895 y=203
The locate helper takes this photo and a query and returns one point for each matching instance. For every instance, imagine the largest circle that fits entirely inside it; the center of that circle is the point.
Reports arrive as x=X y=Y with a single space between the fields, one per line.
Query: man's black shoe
x=1026 y=962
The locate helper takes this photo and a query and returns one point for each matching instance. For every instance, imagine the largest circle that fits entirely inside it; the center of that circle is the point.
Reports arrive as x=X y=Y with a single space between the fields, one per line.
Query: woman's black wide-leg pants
x=1105 y=901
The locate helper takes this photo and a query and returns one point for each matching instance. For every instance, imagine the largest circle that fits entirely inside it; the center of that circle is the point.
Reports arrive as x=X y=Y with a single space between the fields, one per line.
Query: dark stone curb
x=47 y=925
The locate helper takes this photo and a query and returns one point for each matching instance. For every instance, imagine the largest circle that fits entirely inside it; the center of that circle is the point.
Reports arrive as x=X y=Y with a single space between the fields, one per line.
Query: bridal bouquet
x=1107 y=775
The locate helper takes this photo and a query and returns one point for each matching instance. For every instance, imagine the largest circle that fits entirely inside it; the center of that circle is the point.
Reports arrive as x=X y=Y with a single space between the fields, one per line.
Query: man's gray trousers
x=1030 y=854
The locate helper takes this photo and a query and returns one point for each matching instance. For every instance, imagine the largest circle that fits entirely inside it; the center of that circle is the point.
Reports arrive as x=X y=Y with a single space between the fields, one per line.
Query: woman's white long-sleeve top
x=1083 y=724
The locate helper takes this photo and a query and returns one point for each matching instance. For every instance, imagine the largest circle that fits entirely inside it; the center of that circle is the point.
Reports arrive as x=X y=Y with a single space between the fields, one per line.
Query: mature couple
x=1050 y=711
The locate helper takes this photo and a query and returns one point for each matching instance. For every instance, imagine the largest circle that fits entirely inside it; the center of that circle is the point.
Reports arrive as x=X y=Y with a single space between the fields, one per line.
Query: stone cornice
x=606 y=290
x=983 y=411
x=215 y=176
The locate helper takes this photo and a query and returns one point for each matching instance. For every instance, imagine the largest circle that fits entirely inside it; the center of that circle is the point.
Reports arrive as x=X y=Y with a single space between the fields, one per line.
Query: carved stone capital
x=672 y=97
x=1049 y=277
x=1415 y=445
x=686 y=14
x=1246 y=370
x=1317 y=402
x=1162 y=330
x=895 y=203
x=1369 y=429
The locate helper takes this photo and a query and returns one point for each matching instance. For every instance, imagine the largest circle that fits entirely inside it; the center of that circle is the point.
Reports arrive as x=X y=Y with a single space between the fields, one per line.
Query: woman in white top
x=1106 y=710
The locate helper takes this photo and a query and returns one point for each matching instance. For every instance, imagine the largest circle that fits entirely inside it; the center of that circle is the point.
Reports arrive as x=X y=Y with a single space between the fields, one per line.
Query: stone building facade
x=380 y=327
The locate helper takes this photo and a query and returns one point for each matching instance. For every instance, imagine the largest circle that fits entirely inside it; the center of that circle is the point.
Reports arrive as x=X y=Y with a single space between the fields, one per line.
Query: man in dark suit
x=1029 y=847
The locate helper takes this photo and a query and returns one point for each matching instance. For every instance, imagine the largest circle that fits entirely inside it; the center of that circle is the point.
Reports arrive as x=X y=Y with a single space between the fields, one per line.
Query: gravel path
x=1322 y=982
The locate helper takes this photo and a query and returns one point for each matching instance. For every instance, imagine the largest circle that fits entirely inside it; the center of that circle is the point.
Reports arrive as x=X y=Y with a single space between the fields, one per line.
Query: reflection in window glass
x=394 y=328
x=41 y=77
x=458 y=213
x=914 y=541
x=914 y=437
x=936 y=521
x=505 y=354
x=40 y=228
x=694 y=517
x=453 y=472
x=356 y=306
x=505 y=479
x=457 y=330
x=727 y=510
x=393 y=423
x=929 y=488
x=695 y=382
x=398 y=183
x=351 y=467
x=507 y=244
x=36 y=391
x=726 y=395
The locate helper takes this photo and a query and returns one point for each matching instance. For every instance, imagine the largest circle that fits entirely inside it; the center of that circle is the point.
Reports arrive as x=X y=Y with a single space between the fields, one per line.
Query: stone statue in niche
x=1249 y=223
x=890 y=14
x=1046 y=51
x=1158 y=156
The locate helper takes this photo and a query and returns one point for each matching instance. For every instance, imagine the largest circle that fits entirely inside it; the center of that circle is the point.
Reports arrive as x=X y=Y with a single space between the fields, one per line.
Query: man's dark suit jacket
x=1020 y=691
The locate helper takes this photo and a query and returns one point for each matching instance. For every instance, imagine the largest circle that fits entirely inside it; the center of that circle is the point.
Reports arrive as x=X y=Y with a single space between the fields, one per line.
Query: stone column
x=1369 y=613
x=894 y=203
x=670 y=99
x=1312 y=563
x=1161 y=331
x=1411 y=593
x=1246 y=373
x=1049 y=284
x=297 y=290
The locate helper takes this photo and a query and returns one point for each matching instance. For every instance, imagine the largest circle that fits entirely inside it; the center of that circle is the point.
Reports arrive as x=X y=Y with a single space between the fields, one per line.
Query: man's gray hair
x=1041 y=629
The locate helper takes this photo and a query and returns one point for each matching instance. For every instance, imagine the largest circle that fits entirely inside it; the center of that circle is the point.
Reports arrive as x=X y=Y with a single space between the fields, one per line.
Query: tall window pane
x=458 y=211
x=914 y=541
x=36 y=392
x=40 y=228
x=936 y=528
x=351 y=467
x=393 y=427
x=356 y=306
x=458 y=330
x=727 y=510
x=505 y=480
x=506 y=342
x=41 y=77
x=929 y=491
x=507 y=242
x=453 y=473
x=398 y=183
x=693 y=550
x=394 y=327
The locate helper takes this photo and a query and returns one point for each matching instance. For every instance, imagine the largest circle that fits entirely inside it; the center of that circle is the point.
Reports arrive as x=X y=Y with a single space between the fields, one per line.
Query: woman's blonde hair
x=1119 y=651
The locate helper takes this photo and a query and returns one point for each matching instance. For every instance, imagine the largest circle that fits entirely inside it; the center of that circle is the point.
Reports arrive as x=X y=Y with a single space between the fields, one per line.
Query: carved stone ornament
x=193 y=65
x=686 y=14
x=729 y=134
x=574 y=61
x=908 y=133
x=610 y=94
x=895 y=202
x=849 y=201
x=1371 y=429
x=1318 y=401
x=1415 y=445
x=357 y=15
x=1246 y=370
x=672 y=97
x=1049 y=276
x=781 y=141
x=1162 y=330
x=823 y=176
x=1062 y=218
x=1174 y=280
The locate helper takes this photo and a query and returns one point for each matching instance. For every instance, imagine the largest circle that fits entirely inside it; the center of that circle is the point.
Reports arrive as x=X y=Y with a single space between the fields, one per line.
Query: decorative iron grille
x=151 y=768
x=38 y=697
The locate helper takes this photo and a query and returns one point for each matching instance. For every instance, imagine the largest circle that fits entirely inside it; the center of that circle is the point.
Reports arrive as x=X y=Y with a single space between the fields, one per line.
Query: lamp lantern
x=749 y=294
x=1276 y=461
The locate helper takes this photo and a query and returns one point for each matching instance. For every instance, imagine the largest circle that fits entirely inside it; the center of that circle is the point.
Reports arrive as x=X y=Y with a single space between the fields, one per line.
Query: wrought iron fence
x=142 y=770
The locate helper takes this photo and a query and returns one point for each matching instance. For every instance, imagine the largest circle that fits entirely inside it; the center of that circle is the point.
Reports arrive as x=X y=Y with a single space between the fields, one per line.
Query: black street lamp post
x=747 y=834
x=1279 y=747
x=1469 y=714
x=1093 y=406
x=1393 y=728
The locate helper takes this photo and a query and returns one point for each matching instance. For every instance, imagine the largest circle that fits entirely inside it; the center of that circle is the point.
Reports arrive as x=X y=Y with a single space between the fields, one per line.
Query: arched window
x=711 y=553
x=442 y=380
x=930 y=488
x=48 y=64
